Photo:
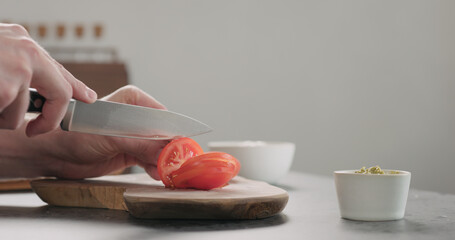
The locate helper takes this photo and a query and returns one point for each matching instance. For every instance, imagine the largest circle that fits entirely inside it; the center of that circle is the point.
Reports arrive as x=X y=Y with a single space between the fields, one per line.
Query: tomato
x=174 y=155
x=206 y=171
x=182 y=164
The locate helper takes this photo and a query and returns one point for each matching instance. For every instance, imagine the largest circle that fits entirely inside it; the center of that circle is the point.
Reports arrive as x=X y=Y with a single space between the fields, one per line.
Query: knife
x=123 y=120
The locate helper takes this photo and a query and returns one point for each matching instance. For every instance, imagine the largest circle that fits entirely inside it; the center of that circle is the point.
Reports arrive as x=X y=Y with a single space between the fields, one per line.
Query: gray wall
x=352 y=83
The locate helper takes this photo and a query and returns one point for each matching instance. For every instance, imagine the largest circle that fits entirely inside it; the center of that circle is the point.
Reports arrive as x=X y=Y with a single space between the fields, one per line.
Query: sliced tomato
x=174 y=155
x=206 y=171
x=183 y=164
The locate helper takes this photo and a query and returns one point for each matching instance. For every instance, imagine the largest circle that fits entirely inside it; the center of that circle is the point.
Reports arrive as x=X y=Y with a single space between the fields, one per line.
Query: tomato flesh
x=174 y=155
x=183 y=164
x=206 y=171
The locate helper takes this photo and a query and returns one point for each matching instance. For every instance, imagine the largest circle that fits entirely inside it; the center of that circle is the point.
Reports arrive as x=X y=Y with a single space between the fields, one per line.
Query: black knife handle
x=36 y=101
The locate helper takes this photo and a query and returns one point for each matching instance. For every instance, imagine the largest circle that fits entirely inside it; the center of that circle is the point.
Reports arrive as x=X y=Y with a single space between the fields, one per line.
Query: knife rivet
x=38 y=103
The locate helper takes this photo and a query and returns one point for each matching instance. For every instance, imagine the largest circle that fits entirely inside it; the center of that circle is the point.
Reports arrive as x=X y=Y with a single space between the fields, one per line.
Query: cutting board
x=14 y=184
x=144 y=197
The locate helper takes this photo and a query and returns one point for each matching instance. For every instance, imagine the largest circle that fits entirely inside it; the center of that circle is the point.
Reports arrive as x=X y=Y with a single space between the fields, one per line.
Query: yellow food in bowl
x=371 y=170
x=375 y=170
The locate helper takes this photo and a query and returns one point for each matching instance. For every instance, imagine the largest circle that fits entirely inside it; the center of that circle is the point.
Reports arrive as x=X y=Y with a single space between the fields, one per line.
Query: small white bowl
x=372 y=197
x=259 y=160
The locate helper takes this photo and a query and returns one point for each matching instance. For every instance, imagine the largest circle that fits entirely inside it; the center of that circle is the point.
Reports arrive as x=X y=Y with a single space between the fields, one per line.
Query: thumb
x=133 y=95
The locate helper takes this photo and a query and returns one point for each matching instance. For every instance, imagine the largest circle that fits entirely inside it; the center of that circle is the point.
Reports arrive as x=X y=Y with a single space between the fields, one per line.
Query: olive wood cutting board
x=14 y=184
x=144 y=197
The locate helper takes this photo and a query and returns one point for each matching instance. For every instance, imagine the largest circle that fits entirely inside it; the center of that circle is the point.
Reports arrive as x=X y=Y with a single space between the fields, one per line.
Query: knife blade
x=123 y=120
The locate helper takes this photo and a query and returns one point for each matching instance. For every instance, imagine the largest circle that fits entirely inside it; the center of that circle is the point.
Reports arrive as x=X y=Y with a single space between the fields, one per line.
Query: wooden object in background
x=98 y=31
x=144 y=197
x=79 y=31
x=104 y=78
x=42 y=30
x=60 y=30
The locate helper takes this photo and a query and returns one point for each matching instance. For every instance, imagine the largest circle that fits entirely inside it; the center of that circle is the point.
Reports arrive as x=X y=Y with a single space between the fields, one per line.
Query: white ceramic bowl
x=372 y=197
x=264 y=161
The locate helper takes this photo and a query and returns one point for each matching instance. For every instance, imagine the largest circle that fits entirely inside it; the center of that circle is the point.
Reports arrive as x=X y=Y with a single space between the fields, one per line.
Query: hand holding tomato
x=183 y=164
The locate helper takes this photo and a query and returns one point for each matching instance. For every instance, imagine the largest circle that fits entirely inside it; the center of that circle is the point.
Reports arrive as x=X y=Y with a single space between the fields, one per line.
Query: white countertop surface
x=311 y=213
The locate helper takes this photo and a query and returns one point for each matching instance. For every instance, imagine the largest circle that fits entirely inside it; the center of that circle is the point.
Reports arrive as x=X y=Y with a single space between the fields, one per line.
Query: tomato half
x=206 y=171
x=174 y=155
x=182 y=164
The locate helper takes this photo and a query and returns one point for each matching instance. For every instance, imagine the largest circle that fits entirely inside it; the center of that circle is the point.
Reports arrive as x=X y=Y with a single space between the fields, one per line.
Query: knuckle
x=130 y=94
x=67 y=93
x=6 y=96
x=79 y=89
x=19 y=29
x=59 y=95
x=130 y=88
x=79 y=85
x=23 y=72
x=29 y=46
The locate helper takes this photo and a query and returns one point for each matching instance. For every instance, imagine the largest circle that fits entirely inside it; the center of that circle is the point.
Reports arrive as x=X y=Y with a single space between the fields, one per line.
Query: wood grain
x=102 y=192
x=144 y=197
x=14 y=184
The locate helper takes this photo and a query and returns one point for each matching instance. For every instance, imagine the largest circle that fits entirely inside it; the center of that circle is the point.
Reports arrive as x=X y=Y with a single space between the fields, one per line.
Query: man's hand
x=24 y=64
x=77 y=155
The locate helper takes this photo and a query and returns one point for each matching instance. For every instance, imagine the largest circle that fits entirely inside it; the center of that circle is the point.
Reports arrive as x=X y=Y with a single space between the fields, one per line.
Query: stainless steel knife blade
x=124 y=120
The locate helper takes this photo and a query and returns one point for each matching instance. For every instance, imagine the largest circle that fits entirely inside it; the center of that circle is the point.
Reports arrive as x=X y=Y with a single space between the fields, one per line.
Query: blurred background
x=352 y=83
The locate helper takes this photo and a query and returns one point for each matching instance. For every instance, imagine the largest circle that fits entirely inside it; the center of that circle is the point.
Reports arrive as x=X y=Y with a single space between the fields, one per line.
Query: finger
x=15 y=73
x=152 y=171
x=80 y=91
x=145 y=151
x=145 y=100
x=78 y=171
x=50 y=84
x=148 y=159
x=13 y=116
x=8 y=93
x=135 y=96
x=117 y=163
x=50 y=117
x=13 y=30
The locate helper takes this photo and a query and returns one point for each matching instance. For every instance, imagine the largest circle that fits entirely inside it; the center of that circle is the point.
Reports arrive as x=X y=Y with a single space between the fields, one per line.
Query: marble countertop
x=311 y=213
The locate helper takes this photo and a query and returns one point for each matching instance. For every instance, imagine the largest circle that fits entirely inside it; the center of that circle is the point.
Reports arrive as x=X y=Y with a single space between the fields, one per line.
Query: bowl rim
x=401 y=173
x=248 y=144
